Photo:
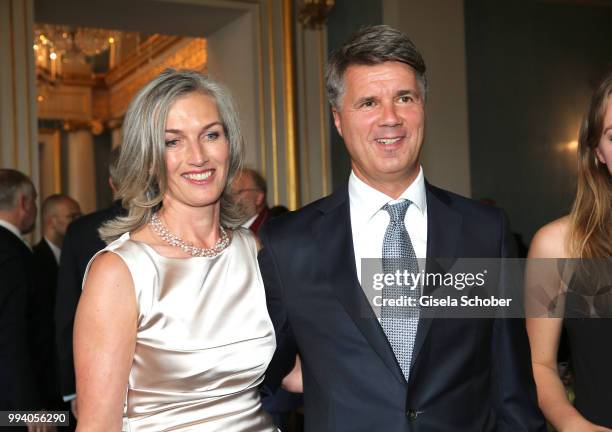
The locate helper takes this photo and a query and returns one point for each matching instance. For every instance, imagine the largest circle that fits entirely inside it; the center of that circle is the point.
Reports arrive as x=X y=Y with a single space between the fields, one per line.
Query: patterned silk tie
x=399 y=323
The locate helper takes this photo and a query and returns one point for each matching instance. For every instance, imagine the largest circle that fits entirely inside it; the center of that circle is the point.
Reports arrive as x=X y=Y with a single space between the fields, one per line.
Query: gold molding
x=153 y=47
x=305 y=163
x=56 y=137
x=273 y=103
x=262 y=121
x=323 y=117
x=291 y=145
x=57 y=161
x=14 y=88
x=28 y=102
x=189 y=53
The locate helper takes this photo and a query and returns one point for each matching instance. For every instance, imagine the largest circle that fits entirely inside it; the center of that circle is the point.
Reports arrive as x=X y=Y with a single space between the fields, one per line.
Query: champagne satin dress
x=204 y=340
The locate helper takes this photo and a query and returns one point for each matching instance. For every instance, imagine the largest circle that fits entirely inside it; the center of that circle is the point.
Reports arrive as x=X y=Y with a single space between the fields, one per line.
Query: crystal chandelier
x=55 y=45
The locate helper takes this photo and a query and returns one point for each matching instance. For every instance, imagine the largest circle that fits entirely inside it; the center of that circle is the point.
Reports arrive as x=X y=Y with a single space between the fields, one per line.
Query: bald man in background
x=58 y=211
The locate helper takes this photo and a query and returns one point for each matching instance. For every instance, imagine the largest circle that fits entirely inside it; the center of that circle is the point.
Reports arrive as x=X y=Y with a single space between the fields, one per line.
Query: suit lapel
x=443 y=233
x=335 y=244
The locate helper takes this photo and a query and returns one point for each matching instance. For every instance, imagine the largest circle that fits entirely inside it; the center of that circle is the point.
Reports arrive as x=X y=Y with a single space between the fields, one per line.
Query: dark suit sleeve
x=68 y=294
x=18 y=392
x=286 y=349
x=513 y=377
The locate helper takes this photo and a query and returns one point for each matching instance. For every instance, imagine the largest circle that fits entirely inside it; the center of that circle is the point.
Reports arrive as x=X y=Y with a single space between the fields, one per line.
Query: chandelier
x=56 y=45
x=313 y=13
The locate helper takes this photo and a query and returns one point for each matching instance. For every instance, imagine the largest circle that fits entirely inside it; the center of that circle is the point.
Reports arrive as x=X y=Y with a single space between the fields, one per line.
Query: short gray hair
x=141 y=169
x=13 y=183
x=371 y=46
x=260 y=182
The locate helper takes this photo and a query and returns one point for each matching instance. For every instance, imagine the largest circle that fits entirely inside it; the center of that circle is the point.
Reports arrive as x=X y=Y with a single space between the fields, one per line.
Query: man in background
x=17 y=217
x=249 y=190
x=58 y=211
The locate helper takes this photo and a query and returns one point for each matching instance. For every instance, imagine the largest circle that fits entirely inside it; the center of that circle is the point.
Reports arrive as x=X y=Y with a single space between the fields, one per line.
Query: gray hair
x=260 y=182
x=371 y=46
x=141 y=169
x=113 y=161
x=12 y=184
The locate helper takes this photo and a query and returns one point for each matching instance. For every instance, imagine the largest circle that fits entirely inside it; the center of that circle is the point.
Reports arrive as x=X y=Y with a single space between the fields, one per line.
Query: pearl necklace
x=160 y=229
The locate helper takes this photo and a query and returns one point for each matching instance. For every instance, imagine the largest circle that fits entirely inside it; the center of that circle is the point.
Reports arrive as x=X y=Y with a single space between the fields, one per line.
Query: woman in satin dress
x=172 y=331
x=584 y=236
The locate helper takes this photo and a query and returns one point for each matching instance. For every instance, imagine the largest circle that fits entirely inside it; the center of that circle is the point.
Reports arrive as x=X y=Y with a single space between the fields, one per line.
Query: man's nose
x=389 y=115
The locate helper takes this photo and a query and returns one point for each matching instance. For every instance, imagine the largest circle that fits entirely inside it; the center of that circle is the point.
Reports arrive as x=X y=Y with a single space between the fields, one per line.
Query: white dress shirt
x=250 y=221
x=369 y=221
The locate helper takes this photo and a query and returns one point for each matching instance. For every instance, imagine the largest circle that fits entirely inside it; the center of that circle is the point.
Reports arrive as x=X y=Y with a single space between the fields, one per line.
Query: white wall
x=437 y=29
x=232 y=61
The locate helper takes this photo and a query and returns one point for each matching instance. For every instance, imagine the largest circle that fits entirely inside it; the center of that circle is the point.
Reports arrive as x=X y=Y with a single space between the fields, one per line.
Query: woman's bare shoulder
x=550 y=241
x=108 y=274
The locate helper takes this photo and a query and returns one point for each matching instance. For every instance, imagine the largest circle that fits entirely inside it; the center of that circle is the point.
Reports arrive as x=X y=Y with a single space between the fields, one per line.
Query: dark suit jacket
x=18 y=389
x=80 y=245
x=467 y=374
x=42 y=343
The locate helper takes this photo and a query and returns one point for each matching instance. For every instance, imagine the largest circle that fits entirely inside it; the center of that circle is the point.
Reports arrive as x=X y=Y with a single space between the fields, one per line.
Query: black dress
x=590 y=338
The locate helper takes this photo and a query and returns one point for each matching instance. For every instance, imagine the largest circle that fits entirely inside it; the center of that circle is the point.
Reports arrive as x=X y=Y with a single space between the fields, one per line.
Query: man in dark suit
x=81 y=243
x=363 y=372
x=17 y=217
x=58 y=211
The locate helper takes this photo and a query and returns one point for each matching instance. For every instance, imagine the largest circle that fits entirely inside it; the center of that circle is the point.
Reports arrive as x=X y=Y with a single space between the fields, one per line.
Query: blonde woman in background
x=586 y=233
x=172 y=322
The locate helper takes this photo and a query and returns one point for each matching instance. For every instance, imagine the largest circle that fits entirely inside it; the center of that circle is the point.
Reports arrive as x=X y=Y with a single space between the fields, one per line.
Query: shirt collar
x=369 y=200
x=12 y=228
x=249 y=222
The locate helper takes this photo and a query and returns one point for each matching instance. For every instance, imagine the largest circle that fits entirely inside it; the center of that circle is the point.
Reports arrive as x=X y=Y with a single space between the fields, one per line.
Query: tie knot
x=397 y=211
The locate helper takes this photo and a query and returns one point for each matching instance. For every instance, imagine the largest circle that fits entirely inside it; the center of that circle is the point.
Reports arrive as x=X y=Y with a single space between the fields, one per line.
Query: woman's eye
x=171 y=143
x=212 y=136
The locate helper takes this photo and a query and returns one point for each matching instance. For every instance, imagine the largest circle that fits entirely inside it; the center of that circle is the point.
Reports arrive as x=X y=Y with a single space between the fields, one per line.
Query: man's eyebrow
x=408 y=92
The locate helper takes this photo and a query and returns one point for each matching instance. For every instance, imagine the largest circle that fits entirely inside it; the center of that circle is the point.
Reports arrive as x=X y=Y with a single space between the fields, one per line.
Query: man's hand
x=73 y=408
x=293 y=381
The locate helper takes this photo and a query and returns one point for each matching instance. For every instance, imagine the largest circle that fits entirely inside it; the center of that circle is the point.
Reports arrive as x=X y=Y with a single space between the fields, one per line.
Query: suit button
x=411 y=414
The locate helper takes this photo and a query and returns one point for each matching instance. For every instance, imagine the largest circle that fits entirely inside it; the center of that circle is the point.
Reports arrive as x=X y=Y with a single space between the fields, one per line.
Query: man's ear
x=337 y=121
x=22 y=201
x=260 y=199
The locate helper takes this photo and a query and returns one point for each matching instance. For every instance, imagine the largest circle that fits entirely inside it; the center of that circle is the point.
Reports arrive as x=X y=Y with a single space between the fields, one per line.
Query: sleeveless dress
x=204 y=340
x=590 y=339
